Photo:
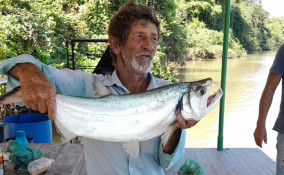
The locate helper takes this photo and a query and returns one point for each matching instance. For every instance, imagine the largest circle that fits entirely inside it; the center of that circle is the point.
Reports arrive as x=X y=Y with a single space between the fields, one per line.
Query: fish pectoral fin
x=132 y=148
x=166 y=136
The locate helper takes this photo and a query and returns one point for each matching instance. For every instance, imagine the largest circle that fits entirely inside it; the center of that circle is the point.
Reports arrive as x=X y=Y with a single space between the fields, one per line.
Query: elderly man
x=133 y=39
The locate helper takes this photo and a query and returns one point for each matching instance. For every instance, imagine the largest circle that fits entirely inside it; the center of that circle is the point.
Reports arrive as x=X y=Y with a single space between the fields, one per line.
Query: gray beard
x=134 y=63
x=141 y=68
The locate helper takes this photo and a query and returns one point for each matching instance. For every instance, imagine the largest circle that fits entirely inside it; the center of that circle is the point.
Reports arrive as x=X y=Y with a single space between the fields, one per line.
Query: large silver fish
x=132 y=117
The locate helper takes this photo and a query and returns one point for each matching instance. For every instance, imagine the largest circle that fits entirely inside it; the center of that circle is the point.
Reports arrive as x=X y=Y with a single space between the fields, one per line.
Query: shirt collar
x=114 y=80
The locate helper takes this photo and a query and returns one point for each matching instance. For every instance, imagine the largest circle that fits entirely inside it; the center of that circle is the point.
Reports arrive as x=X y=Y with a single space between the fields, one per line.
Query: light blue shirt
x=103 y=157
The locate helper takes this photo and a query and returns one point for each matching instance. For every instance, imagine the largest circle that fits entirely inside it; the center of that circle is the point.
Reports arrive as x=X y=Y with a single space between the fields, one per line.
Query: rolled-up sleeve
x=169 y=161
x=66 y=81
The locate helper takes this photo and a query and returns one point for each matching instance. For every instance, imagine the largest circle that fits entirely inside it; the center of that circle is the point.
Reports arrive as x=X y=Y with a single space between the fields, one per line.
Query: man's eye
x=154 y=39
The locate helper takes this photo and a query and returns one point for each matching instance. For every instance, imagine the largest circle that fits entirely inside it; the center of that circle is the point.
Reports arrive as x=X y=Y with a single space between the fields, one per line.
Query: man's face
x=140 y=47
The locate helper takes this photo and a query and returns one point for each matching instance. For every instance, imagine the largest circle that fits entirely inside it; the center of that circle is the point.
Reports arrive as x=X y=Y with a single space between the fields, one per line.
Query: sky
x=275 y=8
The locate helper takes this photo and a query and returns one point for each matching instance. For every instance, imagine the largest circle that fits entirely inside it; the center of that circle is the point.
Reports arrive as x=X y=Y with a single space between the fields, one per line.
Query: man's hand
x=172 y=143
x=260 y=135
x=37 y=92
x=184 y=124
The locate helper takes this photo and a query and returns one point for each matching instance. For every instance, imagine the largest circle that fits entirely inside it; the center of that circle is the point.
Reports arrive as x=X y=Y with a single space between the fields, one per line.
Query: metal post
x=67 y=53
x=223 y=75
x=73 y=55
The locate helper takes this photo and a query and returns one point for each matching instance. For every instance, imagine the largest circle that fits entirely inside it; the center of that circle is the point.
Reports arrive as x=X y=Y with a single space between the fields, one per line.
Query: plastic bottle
x=40 y=165
x=21 y=139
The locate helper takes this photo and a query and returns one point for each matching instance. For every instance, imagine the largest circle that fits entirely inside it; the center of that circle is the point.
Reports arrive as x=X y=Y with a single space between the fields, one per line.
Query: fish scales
x=129 y=118
x=120 y=118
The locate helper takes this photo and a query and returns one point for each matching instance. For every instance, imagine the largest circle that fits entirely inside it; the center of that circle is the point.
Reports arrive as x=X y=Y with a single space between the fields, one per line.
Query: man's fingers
x=34 y=106
x=42 y=107
x=265 y=140
x=258 y=142
x=28 y=103
x=51 y=107
x=181 y=121
x=184 y=124
x=191 y=123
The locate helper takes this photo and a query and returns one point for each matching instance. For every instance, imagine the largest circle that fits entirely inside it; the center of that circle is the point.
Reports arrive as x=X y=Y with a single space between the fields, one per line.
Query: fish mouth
x=215 y=96
x=210 y=99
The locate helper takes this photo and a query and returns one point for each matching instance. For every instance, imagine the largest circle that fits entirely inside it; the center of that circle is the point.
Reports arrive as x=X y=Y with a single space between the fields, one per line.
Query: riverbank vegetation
x=190 y=29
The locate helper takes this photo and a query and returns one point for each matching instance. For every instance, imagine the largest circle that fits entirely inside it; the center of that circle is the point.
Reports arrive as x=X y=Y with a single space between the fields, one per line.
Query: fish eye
x=201 y=90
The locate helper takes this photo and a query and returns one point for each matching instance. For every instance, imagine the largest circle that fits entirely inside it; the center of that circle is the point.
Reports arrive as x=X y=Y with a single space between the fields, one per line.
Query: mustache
x=145 y=53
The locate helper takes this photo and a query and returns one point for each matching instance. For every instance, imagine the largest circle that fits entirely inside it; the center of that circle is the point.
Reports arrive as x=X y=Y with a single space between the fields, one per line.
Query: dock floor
x=231 y=161
x=69 y=160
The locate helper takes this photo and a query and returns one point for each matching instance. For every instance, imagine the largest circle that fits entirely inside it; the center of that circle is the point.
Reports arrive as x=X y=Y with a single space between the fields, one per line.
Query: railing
x=72 y=44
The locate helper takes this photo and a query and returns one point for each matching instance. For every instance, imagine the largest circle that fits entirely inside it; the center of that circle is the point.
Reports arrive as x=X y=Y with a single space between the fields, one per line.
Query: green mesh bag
x=191 y=167
x=21 y=157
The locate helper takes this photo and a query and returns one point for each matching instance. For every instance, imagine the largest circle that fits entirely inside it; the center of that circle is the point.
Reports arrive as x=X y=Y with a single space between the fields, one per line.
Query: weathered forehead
x=143 y=26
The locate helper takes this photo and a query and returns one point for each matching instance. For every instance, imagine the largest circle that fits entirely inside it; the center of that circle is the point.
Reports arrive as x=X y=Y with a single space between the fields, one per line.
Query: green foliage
x=248 y=24
x=206 y=43
x=40 y=28
x=160 y=69
x=276 y=32
x=173 y=31
x=189 y=29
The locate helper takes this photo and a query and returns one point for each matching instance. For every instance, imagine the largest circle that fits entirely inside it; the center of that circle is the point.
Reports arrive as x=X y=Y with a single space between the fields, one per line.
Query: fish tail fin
x=14 y=96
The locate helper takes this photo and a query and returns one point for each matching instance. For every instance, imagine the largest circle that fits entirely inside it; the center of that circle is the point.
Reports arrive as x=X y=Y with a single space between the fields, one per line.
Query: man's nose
x=147 y=43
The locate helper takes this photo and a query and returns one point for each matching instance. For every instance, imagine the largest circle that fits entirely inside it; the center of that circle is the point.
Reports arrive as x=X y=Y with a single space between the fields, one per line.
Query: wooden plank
x=238 y=162
x=69 y=160
x=51 y=150
x=68 y=156
x=219 y=160
x=80 y=167
x=205 y=161
x=255 y=158
x=235 y=161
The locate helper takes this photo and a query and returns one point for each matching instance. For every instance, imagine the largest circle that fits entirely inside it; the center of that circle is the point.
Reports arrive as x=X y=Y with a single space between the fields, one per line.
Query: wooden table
x=68 y=158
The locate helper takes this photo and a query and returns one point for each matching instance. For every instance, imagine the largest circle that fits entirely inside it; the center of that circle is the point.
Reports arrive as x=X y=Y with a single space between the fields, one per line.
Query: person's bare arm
x=272 y=82
x=37 y=92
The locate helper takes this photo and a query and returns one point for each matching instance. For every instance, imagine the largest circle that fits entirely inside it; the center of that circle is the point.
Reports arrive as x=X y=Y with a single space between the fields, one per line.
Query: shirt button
x=131 y=169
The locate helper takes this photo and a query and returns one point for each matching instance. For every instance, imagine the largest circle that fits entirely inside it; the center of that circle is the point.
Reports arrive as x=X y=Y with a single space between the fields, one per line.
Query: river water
x=245 y=81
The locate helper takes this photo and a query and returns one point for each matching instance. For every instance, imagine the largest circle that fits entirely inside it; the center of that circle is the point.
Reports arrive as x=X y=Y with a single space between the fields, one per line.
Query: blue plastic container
x=36 y=126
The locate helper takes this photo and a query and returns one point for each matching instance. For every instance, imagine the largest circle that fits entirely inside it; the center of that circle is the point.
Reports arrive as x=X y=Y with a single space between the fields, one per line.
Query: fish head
x=198 y=100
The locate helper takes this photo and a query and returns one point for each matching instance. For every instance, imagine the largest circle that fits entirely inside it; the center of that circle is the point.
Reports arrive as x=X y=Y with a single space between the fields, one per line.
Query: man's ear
x=114 y=44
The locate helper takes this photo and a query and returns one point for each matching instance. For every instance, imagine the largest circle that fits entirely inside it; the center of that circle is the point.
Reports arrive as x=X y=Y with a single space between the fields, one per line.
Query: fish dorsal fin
x=14 y=96
x=99 y=88
x=132 y=148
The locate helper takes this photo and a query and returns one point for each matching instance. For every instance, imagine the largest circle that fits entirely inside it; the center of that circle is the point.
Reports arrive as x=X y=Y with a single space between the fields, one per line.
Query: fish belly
x=112 y=120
